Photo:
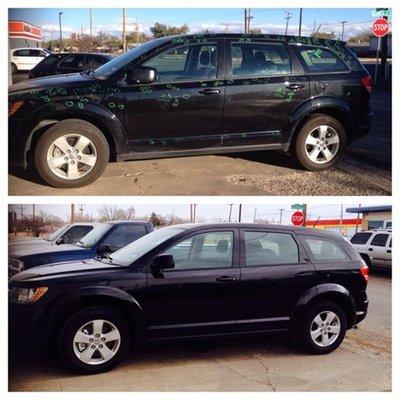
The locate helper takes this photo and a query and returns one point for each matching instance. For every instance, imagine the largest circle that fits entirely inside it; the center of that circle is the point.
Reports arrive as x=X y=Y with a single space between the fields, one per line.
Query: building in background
x=373 y=217
x=347 y=226
x=23 y=34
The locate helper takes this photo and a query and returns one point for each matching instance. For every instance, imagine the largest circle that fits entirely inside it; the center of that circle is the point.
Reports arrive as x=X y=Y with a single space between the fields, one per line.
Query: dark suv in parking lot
x=188 y=95
x=193 y=281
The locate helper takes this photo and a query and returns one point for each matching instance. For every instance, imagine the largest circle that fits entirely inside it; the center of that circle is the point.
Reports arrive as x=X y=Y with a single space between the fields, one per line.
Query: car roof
x=82 y=53
x=29 y=48
x=300 y=230
x=126 y=222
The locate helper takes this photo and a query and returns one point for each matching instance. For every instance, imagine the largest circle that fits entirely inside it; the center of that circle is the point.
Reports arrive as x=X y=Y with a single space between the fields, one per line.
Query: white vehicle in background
x=25 y=58
x=375 y=247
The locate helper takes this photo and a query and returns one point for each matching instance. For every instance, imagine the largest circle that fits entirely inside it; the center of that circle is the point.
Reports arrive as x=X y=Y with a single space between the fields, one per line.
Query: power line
x=288 y=16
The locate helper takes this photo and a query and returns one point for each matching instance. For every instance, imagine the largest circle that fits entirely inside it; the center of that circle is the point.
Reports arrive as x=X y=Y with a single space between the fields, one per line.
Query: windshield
x=94 y=235
x=105 y=70
x=55 y=235
x=128 y=254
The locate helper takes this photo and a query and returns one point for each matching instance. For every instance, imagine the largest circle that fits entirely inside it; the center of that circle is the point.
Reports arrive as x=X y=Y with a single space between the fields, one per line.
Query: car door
x=388 y=259
x=377 y=249
x=183 y=109
x=275 y=274
x=22 y=59
x=265 y=84
x=198 y=296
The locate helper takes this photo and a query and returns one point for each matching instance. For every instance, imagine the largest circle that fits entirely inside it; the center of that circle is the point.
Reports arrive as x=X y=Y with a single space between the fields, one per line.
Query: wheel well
x=332 y=112
x=38 y=131
x=121 y=306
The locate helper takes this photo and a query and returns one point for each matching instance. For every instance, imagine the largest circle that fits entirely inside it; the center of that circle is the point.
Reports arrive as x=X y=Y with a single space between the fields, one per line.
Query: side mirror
x=103 y=249
x=60 y=241
x=161 y=262
x=141 y=75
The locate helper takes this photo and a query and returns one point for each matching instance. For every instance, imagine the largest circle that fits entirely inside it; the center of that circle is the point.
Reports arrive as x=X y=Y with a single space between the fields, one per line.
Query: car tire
x=14 y=68
x=328 y=339
x=73 y=353
x=71 y=173
x=315 y=152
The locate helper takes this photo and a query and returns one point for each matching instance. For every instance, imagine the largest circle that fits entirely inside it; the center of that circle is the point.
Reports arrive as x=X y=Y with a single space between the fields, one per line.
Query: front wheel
x=322 y=329
x=72 y=153
x=320 y=143
x=94 y=340
x=14 y=68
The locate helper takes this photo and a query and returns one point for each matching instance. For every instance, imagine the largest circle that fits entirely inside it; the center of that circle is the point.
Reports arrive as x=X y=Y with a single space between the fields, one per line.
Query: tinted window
x=123 y=235
x=76 y=233
x=380 y=240
x=92 y=62
x=73 y=61
x=186 y=62
x=268 y=248
x=36 y=53
x=318 y=59
x=259 y=59
x=22 y=53
x=360 y=238
x=50 y=60
x=205 y=250
x=375 y=224
x=325 y=250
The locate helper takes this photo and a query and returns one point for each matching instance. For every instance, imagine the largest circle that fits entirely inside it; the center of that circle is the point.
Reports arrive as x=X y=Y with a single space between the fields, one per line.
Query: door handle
x=295 y=86
x=370 y=249
x=388 y=251
x=207 y=92
x=226 y=279
x=305 y=273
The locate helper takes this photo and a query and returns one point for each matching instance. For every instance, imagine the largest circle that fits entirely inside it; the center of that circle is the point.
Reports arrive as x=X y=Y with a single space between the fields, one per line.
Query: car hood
x=62 y=268
x=31 y=249
x=49 y=81
x=14 y=247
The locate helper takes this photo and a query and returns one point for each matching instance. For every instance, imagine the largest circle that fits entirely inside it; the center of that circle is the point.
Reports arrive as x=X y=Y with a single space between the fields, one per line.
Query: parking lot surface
x=268 y=363
x=366 y=170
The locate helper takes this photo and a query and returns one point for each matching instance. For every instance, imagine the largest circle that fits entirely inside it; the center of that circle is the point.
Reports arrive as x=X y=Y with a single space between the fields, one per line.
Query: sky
x=205 y=212
x=109 y=20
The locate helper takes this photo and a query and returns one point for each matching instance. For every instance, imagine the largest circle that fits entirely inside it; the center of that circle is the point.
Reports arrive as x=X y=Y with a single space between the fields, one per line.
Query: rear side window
x=318 y=59
x=123 y=235
x=380 y=240
x=325 y=250
x=92 y=62
x=22 y=53
x=50 y=60
x=259 y=59
x=269 y=248
x=73 y=61
x=360 y=238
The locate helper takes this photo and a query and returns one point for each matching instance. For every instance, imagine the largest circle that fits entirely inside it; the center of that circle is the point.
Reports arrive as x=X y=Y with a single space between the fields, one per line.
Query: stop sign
x=380 y=27
x=298 y=218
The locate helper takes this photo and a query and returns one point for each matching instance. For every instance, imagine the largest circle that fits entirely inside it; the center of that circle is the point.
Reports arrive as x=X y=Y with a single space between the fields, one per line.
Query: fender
x=335 y=104
x=95 y=113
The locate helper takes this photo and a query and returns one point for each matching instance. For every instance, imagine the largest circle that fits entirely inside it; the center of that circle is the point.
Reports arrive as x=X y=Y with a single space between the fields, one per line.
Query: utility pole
x=123 y=30
x=305 y=214
x=240 y=213
x=81 y=210
x=90 y=23
x=191 y=212
x=33 y=220
x=343 y=22
x=288 y=16
x=59 y=20
x=72 y=213
x=255 y=215
x=137 y=33
x=249 y=18
x=300 y=20
x=280 y=215
x=245 y=21
x=230 y=212
x=194 y=212
x=384 y=47
x=313 y=29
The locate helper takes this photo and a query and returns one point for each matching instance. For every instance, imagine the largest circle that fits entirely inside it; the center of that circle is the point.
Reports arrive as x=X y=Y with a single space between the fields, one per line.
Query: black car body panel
x=198 y=302
x=222 y=113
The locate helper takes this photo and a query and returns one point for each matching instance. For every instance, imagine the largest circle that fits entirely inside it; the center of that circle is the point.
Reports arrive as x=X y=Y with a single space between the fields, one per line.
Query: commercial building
x=23 y=34
x=347 y=226
x=373 y=217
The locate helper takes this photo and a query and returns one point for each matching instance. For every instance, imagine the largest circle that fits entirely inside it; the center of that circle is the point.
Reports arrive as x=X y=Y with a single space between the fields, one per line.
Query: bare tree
x=112 y=213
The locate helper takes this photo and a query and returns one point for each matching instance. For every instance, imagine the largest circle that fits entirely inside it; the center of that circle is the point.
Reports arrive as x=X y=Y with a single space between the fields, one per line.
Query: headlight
x=14 y=106
x=28 y=296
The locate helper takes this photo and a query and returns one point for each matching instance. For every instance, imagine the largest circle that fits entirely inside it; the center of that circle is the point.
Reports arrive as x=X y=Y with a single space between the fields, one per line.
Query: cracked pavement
x=263 y=363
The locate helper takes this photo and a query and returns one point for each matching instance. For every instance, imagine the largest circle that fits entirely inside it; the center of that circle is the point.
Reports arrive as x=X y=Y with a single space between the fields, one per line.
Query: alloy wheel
x=322 y=144
x=325 y=328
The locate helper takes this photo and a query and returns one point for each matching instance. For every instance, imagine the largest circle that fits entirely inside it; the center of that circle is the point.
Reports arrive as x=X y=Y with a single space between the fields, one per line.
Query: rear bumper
x=361 y=309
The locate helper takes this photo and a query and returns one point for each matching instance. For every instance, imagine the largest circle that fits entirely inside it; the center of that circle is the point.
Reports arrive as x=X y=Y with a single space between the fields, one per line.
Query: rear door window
x=325 y=250
x=259 y=59
x=319 y=59
x=123 y=235
x=270 y=248
x=73 y=61
x=22 y=53
x=360 y=238
x=380 y=240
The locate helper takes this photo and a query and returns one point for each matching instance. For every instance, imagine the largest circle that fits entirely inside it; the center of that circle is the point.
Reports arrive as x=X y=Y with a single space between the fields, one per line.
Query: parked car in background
x=374 y=246
x=67 y=63
x=67 y=234
x=104 y=238
x=194 y=94
x=26 y=58
x=194 y=281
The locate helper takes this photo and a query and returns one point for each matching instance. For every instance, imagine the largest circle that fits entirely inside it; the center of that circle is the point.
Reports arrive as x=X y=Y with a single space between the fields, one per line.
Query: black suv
x=197 y=94
x=194 y=281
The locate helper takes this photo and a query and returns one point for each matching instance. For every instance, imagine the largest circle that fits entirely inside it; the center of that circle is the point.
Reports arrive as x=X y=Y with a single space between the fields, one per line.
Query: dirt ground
x=268 y=363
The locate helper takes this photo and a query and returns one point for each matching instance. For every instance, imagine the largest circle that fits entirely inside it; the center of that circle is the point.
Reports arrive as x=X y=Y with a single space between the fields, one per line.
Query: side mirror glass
x=141 y=75
x=161 y=262
x=103 y=249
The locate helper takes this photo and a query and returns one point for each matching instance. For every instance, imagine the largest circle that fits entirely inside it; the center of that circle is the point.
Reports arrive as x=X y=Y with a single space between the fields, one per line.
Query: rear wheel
x=320 y=143
x=14 y=68
x=72 y=153
x=94 y=340
x=322 y=329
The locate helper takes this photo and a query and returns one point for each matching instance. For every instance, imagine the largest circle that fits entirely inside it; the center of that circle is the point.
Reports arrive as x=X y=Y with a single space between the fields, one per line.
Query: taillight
x=367 y=82
x=364 y=271
x=14 y=107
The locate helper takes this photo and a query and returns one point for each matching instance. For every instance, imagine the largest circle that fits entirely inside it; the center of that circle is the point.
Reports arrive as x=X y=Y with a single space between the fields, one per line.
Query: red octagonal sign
x=298 y=218
x=380 y=27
